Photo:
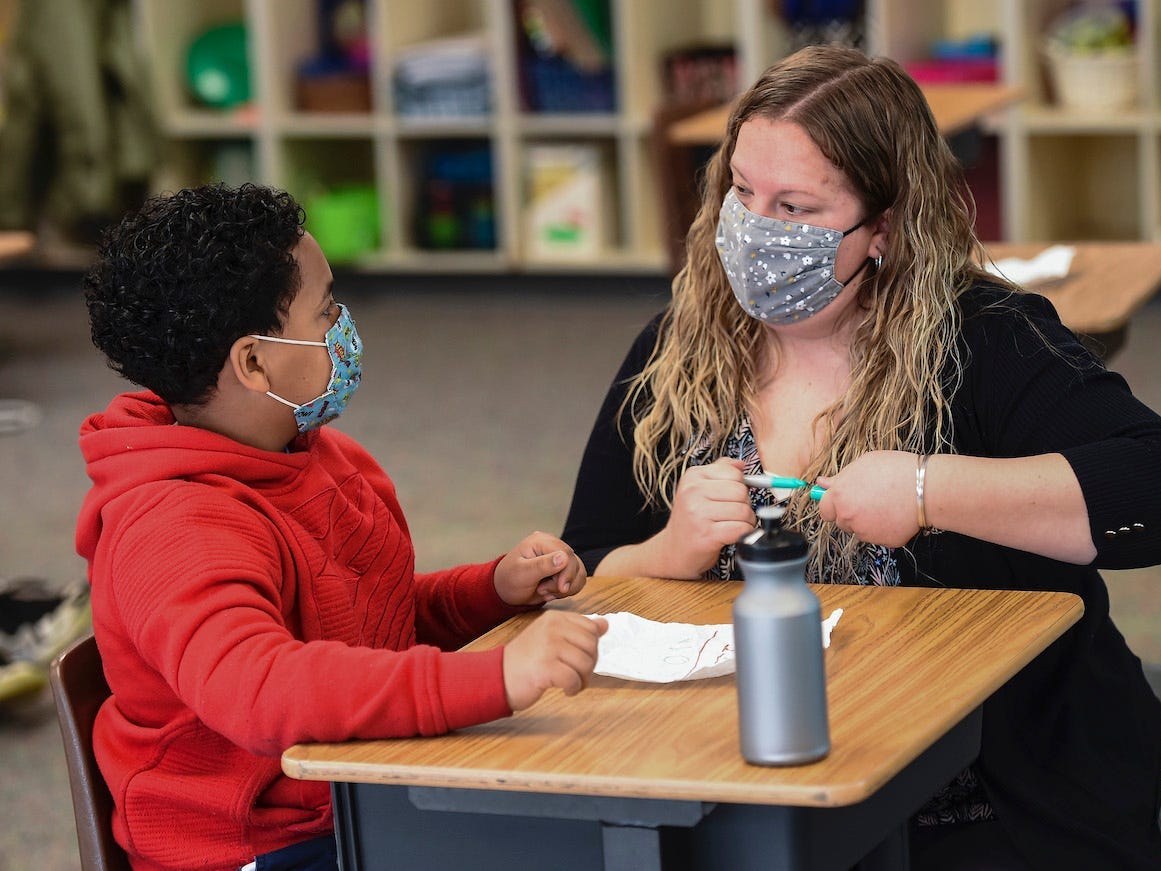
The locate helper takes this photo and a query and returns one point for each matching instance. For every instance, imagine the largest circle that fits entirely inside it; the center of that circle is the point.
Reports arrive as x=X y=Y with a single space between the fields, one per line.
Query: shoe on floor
x=38 y=622
x=26 y=600
x=18 y=415
x=20 y=680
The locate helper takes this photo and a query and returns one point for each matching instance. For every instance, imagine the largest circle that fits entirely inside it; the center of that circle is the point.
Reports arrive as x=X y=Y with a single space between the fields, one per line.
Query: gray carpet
x=477 y=399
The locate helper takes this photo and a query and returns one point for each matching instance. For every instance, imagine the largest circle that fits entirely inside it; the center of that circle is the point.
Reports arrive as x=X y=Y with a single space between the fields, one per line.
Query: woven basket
x=1099 y=82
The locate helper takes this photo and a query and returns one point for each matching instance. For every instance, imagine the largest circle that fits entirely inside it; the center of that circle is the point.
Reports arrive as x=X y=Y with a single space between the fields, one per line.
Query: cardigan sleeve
x=1030 y=387
x=608 y=509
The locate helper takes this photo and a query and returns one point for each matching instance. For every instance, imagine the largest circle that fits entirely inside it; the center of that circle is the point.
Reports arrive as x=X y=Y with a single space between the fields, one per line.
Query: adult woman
x=833 y=323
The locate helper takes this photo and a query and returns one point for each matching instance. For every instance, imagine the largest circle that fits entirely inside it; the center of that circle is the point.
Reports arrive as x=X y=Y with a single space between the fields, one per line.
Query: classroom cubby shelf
x=1062 y=175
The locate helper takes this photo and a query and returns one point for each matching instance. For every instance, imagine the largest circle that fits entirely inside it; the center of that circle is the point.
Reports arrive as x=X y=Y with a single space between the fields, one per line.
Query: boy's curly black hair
x=181 y=279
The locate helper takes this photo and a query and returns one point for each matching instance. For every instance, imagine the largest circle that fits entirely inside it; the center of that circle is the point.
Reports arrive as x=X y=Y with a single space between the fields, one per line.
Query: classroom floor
x=477 y=398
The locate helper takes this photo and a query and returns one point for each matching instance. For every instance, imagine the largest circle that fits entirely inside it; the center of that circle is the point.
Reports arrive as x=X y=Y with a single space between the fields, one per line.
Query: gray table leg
x=893 y=854
x=630 y=848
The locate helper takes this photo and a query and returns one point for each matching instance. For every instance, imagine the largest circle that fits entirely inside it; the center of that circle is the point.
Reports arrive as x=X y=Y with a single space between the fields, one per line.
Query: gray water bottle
x=778 y=642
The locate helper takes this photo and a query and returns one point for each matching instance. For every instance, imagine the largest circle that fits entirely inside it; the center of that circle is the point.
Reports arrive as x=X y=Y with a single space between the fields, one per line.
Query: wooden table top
x=15 y=243
x=1106 y=283
x=905 y=665
x=956 y=107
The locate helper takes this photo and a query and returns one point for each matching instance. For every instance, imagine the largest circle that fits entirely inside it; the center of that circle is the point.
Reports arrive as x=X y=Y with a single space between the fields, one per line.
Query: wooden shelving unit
x=274 y=143
x=1063 y=175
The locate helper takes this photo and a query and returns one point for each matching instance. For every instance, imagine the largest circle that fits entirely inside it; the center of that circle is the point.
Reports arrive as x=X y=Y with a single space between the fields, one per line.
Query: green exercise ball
x=216 y=66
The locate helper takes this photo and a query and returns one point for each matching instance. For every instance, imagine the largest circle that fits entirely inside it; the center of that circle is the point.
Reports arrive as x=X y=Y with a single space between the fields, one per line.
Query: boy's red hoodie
x=244 y=601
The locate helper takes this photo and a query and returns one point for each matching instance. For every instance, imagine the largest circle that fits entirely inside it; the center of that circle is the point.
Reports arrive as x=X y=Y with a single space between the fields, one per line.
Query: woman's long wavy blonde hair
x=869 y=118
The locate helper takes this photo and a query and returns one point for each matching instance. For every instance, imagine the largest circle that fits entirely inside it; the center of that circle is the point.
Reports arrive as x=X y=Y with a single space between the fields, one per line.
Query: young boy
x=253 y=580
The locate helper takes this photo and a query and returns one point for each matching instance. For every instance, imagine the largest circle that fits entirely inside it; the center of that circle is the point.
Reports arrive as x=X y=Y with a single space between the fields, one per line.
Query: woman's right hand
x=711 y=509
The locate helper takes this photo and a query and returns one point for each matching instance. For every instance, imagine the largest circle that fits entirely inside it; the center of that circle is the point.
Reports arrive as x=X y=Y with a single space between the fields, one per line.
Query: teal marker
x=778 y=482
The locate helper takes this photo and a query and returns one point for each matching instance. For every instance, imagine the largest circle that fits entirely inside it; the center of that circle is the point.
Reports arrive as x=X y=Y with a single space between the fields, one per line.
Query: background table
x=15 y=243
x=1106 y=284
x=956 y=107
x=645 y=776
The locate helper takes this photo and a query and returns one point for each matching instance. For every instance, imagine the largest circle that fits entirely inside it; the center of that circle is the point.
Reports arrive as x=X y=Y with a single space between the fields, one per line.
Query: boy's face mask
x=346 y=352
x=780 y=271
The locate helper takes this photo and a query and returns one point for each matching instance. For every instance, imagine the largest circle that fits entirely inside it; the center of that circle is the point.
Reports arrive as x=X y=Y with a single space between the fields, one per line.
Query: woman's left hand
x=873 y=498
x=539 y=569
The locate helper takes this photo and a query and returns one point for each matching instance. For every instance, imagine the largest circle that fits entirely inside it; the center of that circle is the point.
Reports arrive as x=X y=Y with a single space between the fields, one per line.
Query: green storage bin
x=345 y=222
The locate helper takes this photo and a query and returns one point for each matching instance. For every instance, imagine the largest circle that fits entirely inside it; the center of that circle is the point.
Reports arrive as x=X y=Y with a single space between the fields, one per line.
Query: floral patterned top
x=876 y=563
x=963 y=800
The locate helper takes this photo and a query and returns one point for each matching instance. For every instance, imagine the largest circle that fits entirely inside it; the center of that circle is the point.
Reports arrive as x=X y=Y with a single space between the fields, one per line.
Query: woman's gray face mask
x=780 y=271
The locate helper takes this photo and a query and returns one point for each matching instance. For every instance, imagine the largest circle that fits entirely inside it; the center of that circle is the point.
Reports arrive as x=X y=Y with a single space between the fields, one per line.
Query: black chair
x=79 y=688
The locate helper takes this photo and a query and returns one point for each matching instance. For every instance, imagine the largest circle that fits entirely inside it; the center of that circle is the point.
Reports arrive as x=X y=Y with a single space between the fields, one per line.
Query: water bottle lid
x=771 y=542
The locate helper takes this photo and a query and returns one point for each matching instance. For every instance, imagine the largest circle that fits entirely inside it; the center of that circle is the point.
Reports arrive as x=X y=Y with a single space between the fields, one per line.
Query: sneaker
x=19 y=680
x=25 y=600
x=18 y=415
x=37 y=623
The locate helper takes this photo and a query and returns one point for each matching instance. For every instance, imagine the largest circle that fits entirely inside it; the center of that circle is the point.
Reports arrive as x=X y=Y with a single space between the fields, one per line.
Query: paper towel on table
x=635 y=648
x=1053 y=262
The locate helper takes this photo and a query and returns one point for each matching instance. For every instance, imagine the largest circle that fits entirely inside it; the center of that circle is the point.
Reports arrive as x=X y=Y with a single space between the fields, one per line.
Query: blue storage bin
x=555 y=85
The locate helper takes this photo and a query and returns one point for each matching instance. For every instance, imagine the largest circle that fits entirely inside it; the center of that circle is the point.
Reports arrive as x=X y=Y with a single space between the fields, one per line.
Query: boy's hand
x=539 y=569
x=559 y=649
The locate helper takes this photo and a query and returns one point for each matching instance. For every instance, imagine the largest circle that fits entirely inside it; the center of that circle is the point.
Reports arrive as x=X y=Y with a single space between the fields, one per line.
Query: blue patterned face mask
x=346 y=352
x=780 y=271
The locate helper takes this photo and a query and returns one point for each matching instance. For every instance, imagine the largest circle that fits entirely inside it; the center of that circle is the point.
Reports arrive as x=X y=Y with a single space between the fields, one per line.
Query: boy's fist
x=559 y=649
x=539 y=569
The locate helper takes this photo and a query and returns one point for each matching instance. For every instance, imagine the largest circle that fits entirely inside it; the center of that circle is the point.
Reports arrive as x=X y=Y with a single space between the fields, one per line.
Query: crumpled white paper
x=1052 y=262
x=638 y=649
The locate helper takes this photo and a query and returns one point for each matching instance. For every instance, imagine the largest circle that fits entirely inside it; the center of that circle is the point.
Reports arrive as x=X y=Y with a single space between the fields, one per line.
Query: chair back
x=79 y=688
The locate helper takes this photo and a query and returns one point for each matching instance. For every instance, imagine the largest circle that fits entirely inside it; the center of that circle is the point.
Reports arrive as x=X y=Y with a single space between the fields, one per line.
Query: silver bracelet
x=920 y=479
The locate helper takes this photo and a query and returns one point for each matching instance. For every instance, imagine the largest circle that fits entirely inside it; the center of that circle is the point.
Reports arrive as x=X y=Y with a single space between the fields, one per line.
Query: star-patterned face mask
x=346 y=352
x=781 y=271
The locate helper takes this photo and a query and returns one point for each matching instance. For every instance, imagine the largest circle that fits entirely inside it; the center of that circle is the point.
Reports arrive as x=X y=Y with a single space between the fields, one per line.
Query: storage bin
x=566 y=214
x=555 y=85
x=444 y=78
x=938 y=72
x=455 y=201
x=446 y=99
x=1103 y=81
x=344 y=222
x=333 y=92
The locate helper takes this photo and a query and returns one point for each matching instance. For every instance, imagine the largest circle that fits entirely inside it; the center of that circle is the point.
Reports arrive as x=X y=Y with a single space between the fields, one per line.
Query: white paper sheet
x=1053 y=262
x=638 y=649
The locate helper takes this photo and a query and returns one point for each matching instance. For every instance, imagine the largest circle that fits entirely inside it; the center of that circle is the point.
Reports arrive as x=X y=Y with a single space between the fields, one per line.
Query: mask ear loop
x=282 y=341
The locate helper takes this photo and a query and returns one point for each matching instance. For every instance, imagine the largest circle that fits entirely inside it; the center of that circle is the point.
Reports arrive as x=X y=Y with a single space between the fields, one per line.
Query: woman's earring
x=878 y=262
